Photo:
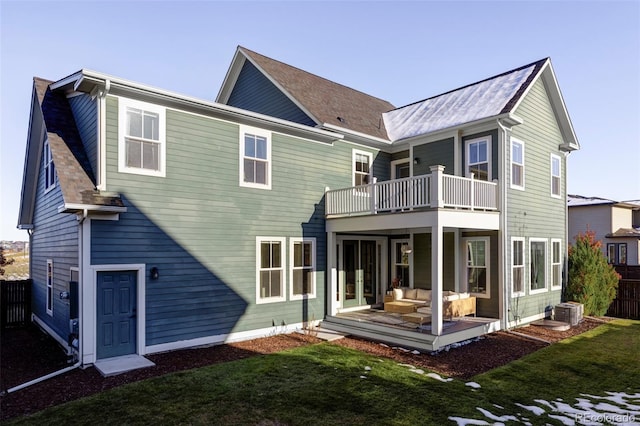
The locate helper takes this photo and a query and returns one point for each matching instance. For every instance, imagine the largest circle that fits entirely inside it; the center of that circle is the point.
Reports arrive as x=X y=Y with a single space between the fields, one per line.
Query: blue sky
x=398 y=51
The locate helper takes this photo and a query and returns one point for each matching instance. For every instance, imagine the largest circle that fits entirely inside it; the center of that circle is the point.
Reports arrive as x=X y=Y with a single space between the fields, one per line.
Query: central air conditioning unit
x=569 y=312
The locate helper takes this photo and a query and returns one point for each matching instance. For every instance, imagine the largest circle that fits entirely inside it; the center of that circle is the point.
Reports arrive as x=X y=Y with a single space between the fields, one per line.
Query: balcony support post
x=437 y=193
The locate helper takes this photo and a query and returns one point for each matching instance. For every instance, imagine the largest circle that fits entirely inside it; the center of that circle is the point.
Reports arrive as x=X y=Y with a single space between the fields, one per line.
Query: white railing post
x=373 y=195
x=437 y=189
x=472 y=198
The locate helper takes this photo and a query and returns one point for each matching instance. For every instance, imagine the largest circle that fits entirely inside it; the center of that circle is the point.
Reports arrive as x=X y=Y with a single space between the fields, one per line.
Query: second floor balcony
x=432 y=191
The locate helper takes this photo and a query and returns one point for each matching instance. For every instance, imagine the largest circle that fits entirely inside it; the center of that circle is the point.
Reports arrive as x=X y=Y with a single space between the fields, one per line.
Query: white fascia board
x=130 y=87
x=231 y=77
x=72 y=208
x=359 y=137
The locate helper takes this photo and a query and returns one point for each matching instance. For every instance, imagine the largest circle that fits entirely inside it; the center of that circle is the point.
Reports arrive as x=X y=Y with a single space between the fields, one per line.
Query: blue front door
x=116 y=313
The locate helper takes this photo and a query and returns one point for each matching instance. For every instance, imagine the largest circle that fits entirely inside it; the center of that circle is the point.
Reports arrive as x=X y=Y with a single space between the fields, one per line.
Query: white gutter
x=94 y=208
x=42 y=379
x=96 y=78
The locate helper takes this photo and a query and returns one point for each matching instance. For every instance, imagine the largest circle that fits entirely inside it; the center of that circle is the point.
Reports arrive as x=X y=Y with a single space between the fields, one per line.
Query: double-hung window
x=556 y=264
x=517 y=266
x=255 y=158
x=478 y=266
x=49 y=168
x=361 y=168
x=270 y=269
x=537 y=265
x=142 y=135
x=617 y=253
x=517 y=164
x=303 y=265
x=49 y=302
x=556 y=171
x=479 y=158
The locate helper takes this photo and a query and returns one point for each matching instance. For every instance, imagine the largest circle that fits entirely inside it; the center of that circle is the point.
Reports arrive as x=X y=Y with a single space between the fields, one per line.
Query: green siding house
x=159 y=221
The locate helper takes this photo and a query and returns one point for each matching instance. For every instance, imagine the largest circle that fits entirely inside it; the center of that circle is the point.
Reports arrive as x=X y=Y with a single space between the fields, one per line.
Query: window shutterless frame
x=517 y=164
x=517 y=266
x=302 y=266
x=556 y=176
x=255 y=157
x=478 y=158
x=141 y=138
x=49 y=301
x=270 y=269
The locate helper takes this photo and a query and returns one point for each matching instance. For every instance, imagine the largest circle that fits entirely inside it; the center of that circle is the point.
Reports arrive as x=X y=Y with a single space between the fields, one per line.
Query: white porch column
x=437 y=193
x=332 y=274
x=436 y=278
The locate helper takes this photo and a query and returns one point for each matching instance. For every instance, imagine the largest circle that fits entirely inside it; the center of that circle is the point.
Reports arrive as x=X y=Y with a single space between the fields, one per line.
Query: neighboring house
x=161 y=221
x=615 y=224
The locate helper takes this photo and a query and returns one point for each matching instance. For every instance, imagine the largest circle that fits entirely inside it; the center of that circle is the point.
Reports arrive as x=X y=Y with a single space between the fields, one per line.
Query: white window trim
x=312 y=293
x=283 y=268
x=524 y=268
x=553 y=265
x=395 y=163
x=49 y=297
x=521 y=143
x=123 y=104
x=369 y=155
x=546 y=265
x=467 y=145
x=551 y=176
x=48 y=163
x=487 y=249
x=258 y=132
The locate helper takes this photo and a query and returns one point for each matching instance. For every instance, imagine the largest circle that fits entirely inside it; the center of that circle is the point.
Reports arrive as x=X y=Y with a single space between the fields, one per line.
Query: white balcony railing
x=437 y=190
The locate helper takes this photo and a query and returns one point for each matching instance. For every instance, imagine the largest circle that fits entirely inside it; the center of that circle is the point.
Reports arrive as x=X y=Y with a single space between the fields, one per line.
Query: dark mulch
x=28 y=353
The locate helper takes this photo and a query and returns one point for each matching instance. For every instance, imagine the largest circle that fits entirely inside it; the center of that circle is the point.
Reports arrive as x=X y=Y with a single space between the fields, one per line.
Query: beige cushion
x=422 y=294
x=397 y=294
x=410 y=293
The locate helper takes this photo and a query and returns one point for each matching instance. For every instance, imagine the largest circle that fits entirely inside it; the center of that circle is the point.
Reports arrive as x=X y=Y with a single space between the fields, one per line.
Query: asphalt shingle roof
x=327 y=102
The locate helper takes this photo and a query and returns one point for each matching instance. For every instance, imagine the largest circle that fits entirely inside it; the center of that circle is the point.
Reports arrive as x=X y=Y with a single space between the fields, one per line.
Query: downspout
x=102 y=135
x=42 y=379
x=506 y=291
x=81 y=220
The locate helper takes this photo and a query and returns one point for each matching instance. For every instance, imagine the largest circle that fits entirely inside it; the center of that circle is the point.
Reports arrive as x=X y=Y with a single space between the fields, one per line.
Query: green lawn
x=325 y=384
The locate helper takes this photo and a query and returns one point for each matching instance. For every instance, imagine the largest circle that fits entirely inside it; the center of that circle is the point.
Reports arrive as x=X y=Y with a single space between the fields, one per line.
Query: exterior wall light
x=154 y=274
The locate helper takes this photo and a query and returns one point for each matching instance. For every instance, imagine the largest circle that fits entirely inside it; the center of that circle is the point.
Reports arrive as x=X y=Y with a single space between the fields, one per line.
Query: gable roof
x=53 y=120
x=337 y=107
x=328 y=104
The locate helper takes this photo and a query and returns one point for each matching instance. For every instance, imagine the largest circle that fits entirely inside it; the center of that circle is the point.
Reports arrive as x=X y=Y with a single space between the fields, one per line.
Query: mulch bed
x=28 y=353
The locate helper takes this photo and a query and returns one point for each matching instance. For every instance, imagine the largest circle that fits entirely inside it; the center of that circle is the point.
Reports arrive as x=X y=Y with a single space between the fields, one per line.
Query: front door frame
x=89 y=318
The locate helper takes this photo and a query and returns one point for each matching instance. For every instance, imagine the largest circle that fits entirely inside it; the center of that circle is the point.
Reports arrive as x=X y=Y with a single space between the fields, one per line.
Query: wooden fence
x=15 y=303
x=627 y=301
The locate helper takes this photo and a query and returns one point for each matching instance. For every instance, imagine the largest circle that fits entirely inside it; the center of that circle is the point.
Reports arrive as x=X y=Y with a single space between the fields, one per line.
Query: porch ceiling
x=447 y=218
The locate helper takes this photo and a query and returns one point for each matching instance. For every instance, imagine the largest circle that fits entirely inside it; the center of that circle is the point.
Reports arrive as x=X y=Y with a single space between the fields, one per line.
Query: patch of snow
x=492 y=416
x=406 y=365
x=475 y=102
x=363 y=377
x=533 y=408
x=473 y=385
x=367 y=368
x=461 y=421
x=415 y=352
x=438 y=377
x=417 y=370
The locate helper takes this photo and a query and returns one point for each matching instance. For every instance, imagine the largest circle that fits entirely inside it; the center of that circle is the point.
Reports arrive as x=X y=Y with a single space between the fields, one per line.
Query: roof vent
x=342 y=120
